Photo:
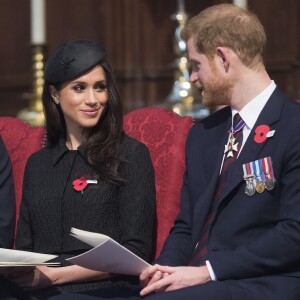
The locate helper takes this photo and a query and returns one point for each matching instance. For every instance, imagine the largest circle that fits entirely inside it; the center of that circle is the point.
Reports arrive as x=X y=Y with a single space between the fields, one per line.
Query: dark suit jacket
x=7 y=199
x=252 y=236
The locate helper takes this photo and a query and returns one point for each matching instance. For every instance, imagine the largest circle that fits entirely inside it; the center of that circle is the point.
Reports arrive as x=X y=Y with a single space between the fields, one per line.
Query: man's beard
x=217 y=91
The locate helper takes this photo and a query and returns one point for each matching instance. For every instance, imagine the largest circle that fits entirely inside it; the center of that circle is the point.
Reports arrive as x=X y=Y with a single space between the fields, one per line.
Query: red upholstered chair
x=162 y=131
x=21 y=140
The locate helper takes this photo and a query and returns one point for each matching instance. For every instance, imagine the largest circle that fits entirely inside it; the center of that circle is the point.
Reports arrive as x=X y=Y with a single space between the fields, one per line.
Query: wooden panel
x=138 y=36
x=280 y=21
x=15 y=64
x=15 y=45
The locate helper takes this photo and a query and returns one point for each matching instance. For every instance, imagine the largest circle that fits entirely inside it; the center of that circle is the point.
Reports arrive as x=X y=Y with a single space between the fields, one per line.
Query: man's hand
x=151 y=275
x=163 y=278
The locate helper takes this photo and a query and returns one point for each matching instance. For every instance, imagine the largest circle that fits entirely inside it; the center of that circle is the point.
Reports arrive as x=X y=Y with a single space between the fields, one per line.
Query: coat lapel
x=251 y=150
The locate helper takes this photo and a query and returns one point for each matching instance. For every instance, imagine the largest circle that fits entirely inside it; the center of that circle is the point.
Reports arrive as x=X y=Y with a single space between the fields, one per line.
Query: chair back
x=164 y=133
x=21 y=140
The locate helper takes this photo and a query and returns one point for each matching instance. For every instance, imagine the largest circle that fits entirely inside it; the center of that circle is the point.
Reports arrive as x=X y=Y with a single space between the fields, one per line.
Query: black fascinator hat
x=72 y=59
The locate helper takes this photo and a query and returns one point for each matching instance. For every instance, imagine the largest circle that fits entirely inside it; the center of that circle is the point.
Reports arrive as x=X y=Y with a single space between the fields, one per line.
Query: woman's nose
x=90 y=97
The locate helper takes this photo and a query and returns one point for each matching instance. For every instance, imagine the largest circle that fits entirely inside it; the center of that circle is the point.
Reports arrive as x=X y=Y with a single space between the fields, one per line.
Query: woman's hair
x=101 y=142
x=229 y=26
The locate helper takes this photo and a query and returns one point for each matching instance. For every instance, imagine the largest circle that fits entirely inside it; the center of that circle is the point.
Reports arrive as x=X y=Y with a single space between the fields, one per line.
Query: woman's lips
x=90 y=112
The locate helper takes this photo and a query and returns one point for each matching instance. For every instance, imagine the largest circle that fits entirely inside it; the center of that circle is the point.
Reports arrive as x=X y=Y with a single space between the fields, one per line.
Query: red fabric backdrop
x=162 y=131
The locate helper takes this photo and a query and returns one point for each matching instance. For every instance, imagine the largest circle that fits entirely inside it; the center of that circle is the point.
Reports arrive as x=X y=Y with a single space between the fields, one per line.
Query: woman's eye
x=78 y=88
x=101 y=87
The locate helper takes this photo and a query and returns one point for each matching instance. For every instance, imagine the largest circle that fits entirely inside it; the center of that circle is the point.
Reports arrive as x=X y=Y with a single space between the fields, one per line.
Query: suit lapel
x=251 y=150
x=213 y=157
x=215 y=148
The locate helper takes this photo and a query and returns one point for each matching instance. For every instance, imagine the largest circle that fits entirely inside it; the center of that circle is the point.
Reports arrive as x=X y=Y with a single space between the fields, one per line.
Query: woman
x=86 y=143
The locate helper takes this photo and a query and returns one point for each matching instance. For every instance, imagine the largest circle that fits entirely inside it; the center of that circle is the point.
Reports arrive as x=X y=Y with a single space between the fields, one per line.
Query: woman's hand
x=33 y=278
x=42 y=276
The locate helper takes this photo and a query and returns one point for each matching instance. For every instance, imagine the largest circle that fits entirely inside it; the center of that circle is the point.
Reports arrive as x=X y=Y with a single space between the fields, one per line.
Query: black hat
x=72 y=59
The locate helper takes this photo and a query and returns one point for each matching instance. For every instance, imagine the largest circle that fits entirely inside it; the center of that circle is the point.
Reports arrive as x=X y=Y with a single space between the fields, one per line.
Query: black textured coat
x=50 y=205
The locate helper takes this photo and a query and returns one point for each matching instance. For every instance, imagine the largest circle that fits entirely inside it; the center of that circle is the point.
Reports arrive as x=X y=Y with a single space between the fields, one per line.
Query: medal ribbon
x=253 y=172
x=267 y=168
x=237 y=127
x=247 y=170
x=257 y=170
x=262 y=173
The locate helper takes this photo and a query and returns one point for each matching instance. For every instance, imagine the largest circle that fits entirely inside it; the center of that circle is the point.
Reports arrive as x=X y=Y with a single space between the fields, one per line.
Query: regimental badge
x=259 y=176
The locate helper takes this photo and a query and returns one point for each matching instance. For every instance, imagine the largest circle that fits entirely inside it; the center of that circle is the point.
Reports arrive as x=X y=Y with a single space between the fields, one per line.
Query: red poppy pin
x=81 y=183
x=262 y=132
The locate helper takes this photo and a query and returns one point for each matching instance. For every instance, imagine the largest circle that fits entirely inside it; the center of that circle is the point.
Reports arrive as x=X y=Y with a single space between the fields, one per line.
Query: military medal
x=250 y=186
x=268 y=170
x=259 y=176
x=260 y=185
x=269 y=183
x=232 y=146
x=250 y=180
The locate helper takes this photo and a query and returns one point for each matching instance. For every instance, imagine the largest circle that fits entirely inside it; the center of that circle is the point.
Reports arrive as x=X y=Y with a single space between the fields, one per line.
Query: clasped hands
x=154 y=279
x=159 y=278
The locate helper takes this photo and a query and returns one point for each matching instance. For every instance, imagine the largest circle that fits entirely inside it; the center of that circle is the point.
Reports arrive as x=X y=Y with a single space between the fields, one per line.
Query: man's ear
x=224 y=57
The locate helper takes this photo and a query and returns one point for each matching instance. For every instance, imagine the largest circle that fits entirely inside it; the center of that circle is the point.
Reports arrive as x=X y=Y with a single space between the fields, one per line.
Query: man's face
x=207 y=75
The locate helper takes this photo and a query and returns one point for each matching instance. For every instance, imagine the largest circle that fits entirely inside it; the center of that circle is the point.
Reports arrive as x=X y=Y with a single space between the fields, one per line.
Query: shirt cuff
x=210 y=271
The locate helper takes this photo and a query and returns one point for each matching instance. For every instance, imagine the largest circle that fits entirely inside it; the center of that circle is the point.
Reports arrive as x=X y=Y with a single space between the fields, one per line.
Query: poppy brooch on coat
x=81 y=183
x=262 y=132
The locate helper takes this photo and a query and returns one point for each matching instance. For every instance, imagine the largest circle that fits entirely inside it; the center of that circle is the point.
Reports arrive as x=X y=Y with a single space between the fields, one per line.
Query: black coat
x=50 y=205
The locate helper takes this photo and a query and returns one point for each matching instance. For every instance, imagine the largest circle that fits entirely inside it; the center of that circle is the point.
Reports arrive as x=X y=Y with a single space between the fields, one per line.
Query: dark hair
x=101 y=142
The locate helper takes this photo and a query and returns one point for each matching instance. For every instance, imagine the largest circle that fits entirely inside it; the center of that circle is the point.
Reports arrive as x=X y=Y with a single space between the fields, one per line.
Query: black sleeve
x=137 y=202
x=24 y=239
x=7 y=199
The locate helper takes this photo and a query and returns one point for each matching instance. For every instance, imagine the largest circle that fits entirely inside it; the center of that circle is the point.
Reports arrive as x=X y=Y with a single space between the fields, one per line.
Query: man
x=238 y=233
x=7 y=199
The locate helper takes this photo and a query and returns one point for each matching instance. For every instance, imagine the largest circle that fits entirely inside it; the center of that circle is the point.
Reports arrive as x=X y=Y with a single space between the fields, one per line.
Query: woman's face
x=82 y=100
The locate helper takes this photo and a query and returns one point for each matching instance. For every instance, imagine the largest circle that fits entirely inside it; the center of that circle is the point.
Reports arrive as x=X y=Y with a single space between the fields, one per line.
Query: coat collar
x=60 y=149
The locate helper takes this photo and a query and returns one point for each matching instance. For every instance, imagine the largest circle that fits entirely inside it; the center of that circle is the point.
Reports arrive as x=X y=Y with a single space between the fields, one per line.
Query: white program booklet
x=15 y=258
x=107 y=255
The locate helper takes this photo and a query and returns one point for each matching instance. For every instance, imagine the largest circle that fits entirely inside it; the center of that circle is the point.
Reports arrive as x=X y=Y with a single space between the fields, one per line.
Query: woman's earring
x=56 y=101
